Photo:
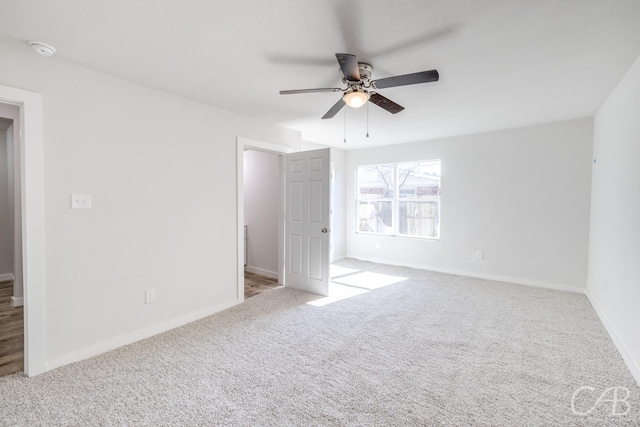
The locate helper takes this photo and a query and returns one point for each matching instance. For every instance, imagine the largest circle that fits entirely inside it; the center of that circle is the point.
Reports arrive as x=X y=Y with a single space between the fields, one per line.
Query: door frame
x=32 y=184
x=252 y=144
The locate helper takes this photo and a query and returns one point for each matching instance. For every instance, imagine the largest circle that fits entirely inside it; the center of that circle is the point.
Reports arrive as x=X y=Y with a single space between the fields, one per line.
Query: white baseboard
x=507 y=279
x=5 y=277
x=260 y=271
x=17 y=302
x=622 y=348
x=113 y=343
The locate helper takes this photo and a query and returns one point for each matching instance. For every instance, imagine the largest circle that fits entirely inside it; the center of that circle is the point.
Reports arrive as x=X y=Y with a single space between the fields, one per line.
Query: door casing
x=32 y=183
x=251 y=144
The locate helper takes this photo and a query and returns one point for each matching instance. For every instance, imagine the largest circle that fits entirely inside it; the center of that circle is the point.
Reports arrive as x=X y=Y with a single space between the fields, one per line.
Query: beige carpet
x=398 y=347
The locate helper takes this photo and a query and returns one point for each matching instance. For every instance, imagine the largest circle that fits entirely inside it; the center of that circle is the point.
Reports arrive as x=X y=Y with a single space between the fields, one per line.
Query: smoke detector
x=42 y=48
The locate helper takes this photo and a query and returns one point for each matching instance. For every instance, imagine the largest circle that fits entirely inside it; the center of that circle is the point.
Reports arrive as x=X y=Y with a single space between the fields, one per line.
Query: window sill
x=398 y=236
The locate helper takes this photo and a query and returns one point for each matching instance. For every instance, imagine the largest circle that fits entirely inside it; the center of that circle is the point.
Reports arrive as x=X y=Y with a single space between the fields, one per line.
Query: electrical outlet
x=377 y=245
x=81 y=201
x=149 y=296
x=479 y=254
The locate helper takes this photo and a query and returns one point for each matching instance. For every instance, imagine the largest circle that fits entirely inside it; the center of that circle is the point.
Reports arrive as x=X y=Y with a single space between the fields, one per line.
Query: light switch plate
x=81 y=201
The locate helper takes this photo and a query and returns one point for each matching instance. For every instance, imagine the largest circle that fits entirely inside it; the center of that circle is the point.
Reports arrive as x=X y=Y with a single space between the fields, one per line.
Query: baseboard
x=337 y=258
x=17 y=302
x=5 y=277
x=507 y=279
x=135 y=336
x=260 y=271
x=622 y=348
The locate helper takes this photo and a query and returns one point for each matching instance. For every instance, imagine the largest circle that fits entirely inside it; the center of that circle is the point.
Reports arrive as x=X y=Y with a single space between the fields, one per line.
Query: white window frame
x=395 y=202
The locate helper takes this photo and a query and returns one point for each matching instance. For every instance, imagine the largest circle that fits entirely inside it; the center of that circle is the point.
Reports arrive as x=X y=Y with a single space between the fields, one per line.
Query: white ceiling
x=502 y=63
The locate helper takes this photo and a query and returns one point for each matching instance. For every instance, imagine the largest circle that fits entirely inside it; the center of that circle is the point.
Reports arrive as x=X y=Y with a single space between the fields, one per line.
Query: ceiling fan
x=360 y=88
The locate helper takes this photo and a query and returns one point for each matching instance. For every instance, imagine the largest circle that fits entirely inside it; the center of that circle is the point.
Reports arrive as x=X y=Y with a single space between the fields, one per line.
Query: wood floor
x=255 y=284
x=11 y=332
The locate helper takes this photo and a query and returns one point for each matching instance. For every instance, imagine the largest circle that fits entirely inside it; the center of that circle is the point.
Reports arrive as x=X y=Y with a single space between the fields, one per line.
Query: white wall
x=262 y=187
x=338 y=205
x=6 y=208
x=164 y=200
x=520 y=195
x=14 y=193
x=614 y=267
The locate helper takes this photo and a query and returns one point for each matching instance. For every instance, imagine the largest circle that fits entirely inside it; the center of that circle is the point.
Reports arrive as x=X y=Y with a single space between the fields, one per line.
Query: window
x=401 y=199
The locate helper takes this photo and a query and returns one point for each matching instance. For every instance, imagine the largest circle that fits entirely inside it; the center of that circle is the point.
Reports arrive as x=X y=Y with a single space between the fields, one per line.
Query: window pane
x=375 y=217
x=420 y=180
x=375 y=182
x=419 y=218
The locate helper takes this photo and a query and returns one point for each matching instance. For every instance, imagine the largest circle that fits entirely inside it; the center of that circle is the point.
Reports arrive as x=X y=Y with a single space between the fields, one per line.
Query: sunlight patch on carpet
x=337 y=292
x=369 y=280
x=338 y=271
x=346 y=284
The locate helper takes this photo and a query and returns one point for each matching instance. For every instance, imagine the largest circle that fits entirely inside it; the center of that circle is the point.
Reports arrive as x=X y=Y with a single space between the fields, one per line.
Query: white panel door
x=307 y=221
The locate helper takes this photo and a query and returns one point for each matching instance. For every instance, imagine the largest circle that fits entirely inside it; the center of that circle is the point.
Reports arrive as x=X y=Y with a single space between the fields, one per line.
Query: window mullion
x=396 y=204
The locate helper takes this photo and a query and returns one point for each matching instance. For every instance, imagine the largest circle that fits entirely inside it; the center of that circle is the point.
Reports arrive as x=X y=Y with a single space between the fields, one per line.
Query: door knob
x=324 y=230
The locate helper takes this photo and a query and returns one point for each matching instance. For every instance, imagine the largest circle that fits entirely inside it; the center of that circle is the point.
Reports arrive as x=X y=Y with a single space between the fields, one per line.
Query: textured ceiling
x=502 y=64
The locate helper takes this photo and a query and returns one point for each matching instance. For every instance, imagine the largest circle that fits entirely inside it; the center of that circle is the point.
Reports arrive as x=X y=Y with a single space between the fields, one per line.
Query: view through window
x=400 y=199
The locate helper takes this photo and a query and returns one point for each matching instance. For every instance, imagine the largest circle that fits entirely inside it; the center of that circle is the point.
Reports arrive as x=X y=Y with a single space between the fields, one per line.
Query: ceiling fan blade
x=385 y=103
x=334 y=110
x=424 y=38
x=323 y=89
x=350 y=21
x=349 y=65
x=407 y=79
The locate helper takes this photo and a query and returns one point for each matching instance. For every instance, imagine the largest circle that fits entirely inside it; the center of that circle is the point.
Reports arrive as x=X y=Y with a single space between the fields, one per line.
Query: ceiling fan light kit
x=361 y=89
x=356 y=98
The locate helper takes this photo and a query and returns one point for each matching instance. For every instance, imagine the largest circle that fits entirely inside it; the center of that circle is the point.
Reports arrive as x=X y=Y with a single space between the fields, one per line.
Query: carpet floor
x=392 y=347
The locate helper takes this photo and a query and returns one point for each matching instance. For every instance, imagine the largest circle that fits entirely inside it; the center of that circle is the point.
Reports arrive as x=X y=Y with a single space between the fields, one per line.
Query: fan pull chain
x=345 y=126
x=367 y=120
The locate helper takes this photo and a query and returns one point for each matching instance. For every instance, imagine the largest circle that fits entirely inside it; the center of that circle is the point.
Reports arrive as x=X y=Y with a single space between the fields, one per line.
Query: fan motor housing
x=365 y=71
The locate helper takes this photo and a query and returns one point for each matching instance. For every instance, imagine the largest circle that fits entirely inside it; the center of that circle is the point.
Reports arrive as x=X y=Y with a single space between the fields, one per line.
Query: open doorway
x=11 y=299
x=262 y=195
x=305 y=177
x=28 y=145
x=263 y=158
